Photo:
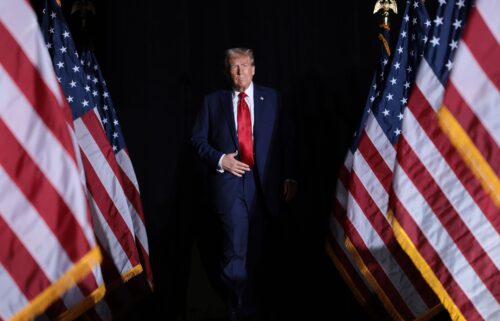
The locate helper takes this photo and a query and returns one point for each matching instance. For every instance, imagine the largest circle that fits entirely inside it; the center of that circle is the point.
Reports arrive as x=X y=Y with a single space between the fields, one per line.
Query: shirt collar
x=248 y=91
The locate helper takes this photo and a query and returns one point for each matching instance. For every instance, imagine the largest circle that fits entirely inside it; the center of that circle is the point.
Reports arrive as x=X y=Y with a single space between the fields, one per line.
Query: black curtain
x=161 y=57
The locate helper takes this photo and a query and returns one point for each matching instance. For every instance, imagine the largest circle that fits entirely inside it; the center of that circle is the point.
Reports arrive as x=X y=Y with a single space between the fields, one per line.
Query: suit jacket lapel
x=227 y=106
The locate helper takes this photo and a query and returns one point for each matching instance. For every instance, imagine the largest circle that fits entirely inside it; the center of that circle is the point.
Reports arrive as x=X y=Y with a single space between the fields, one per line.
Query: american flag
x=46 y=234
x=364 y=182
x=446 y=188
x=115 y=136
x=114 y=205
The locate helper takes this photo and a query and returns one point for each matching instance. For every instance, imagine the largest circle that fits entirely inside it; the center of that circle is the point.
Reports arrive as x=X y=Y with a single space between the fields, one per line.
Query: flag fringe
x=74 y=275
x=391 y=309
x=470 y=154
x=426 y=271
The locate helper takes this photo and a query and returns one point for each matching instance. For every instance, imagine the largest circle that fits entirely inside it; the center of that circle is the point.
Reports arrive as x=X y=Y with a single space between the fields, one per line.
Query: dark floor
x=321 y=296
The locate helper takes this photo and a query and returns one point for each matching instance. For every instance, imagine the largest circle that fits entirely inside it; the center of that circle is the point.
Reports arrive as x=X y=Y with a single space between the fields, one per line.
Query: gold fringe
x=470 y=154
x=83 y=305
x=361 y=299
x=408 y=246
x=74 y=275
x=373 y=282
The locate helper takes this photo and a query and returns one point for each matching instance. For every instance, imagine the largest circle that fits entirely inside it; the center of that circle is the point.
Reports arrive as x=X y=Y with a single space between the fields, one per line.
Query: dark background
x=161 y=58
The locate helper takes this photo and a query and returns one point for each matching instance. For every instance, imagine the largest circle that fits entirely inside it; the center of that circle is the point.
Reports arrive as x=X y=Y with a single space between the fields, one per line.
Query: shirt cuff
x=219 y=165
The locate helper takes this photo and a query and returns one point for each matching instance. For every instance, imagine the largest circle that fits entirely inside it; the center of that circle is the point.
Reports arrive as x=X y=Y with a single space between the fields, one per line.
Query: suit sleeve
x=200 y=137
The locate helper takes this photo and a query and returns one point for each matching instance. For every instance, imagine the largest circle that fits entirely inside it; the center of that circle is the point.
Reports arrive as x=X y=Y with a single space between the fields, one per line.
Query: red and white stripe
x=441 y=205
x=131 y=187
x=44 y=218
x=362 y=196
x=113 y=222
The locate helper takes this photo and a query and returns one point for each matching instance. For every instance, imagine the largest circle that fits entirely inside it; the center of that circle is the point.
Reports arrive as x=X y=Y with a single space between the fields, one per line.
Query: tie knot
x=242 y=95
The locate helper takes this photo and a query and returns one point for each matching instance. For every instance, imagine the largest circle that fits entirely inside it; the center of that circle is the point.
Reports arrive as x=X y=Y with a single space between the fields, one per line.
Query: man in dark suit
x=242 y=136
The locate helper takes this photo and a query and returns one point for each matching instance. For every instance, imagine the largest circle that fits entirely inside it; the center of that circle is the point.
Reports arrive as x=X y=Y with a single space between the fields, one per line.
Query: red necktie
x=245 y=131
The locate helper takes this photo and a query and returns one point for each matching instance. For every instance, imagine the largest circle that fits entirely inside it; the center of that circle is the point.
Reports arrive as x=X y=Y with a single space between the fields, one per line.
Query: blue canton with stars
x=389 y=92
x=80 y=77
x=444 y=36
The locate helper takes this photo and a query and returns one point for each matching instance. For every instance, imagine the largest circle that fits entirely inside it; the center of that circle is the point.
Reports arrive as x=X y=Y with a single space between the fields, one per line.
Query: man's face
x=241 y=71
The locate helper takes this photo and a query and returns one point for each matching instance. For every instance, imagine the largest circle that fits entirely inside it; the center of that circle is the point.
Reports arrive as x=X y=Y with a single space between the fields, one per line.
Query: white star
x=385 y=112
x=407 y=85
x=66 y=34
x=449 y=64
x=53 y=15
x=442 y=2
x=105 y=107
x=104 y=120
x=44 y=11
x=397 y=132
x=70 y=99
x=457 y=24
x=372 y=99
x=409 y=69
x=95 y=80
x=105 y=95
x=396 y=65
x=82 y=62
x=94 y=93
x=115 y=122
x=87 y=88
x=460 y=4
x=374 y=86
x=115 y=135
x=51 y=30
x=404 y=100
x=115 y=148
x=414 y=21
x=403 y=34
x=72 y=84
x=406 y=18
x=424 y=39
x=76 y=69
x=85 y=103
x=63 y=49
x=389 y=96
x=60 y=64
x=453 y=44
x=88 y=77
x=435 y=41
x=385 y=62
x=48 y=45
x=400 y=116
x=415 y=4
x=413 y=37
x=438 y=21
x=59 y=79
x=400 y=50
x=95 y=67
x=427 y=23
x=393 y=81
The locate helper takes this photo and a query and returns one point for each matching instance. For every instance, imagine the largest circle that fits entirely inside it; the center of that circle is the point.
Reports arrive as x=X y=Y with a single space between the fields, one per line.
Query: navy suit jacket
x=214 y=134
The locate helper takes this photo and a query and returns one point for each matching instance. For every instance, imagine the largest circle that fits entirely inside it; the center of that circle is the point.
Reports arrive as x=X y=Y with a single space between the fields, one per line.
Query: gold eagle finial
x=386 y=5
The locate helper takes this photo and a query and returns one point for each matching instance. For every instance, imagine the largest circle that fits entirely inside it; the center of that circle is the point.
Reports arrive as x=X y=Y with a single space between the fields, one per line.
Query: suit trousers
x=244 y=230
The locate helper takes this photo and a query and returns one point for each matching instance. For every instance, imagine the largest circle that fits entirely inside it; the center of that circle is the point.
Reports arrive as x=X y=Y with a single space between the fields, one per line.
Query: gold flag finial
x=386 y=6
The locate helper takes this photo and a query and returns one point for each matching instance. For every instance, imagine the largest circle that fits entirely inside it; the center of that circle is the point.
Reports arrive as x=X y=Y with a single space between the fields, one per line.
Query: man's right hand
x=232 y=165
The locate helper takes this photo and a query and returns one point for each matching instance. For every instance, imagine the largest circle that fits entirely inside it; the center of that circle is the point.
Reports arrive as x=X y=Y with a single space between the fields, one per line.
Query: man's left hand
x=290 y=188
